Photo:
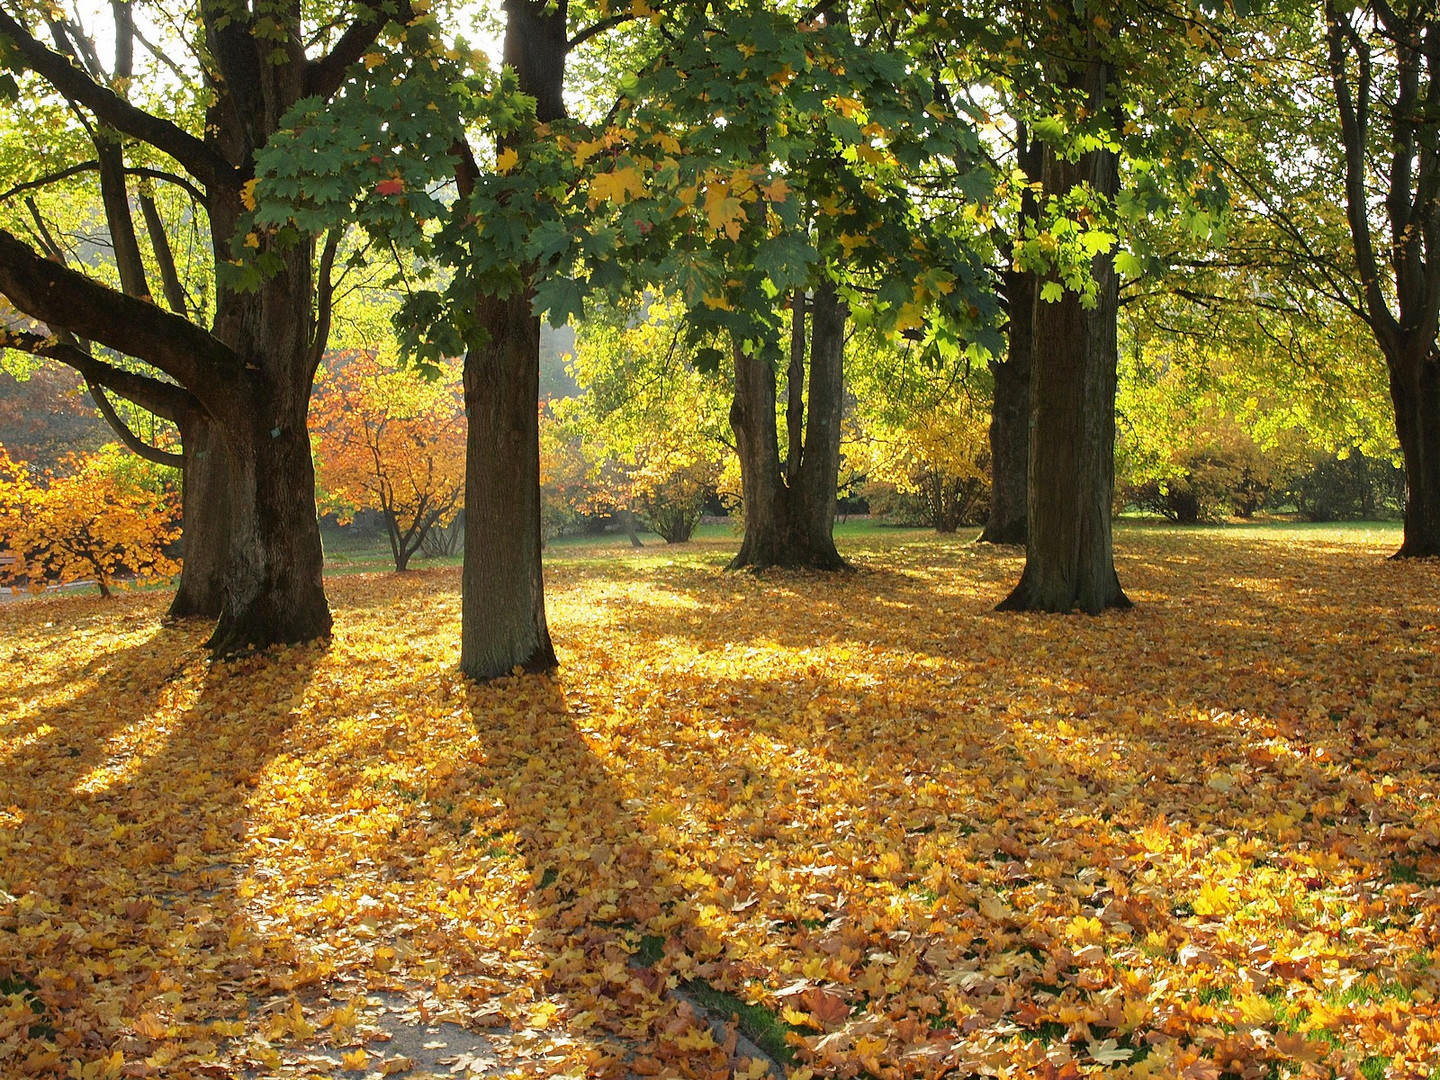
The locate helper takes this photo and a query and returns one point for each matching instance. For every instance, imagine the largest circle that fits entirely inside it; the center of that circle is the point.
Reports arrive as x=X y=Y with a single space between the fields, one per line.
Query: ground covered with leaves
x=896 y=834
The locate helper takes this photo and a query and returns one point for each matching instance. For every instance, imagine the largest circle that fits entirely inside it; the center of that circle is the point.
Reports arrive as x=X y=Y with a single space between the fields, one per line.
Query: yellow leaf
x=619 y=187
x=1214 y=900
x=776 y=190
x=247 y=194
x=1255 y=1009
x=506 y=160
x=698 y=1038
x=354 y=1059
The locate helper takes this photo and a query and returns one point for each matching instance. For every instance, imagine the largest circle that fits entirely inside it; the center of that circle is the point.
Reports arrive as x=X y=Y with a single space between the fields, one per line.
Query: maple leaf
x=825 y=1005
x=1108 y=1052
x=354 y=1060
x=1298 y=1047
x=620 y=186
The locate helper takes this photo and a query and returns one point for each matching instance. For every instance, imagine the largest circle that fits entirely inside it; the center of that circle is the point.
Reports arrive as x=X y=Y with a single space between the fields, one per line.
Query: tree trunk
x=274 y=587
x=628 y=518
x=813 y=498
x=502 y=607
x=1415 y=391
x=502 y=588
x=785 y=525
x=205 y=529
x=1010 y=419
x=767 y=506
x=1069 y=558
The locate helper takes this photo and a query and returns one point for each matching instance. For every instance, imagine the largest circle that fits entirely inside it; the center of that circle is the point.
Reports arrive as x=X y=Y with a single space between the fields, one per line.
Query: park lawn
x=1198 y=839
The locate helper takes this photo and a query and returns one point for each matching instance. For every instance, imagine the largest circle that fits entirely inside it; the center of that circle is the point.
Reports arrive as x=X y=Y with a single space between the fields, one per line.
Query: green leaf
x=1128 y=265
x=1051 y=291
x=559 y=299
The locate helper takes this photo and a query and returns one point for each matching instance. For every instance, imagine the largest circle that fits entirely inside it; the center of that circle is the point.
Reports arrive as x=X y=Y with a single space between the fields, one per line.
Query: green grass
x=347 y=552
x=1404 y=873
x=12 y=985
x=1373 y=1067
x=760 y=1025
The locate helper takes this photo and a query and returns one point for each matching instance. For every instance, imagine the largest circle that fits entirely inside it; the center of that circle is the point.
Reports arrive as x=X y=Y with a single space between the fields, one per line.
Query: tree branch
x=324 y=299
x=110 y=108
x=167 y=400
x=325 y=75
x=65 y=300
x=132 y=441
x=595 y=29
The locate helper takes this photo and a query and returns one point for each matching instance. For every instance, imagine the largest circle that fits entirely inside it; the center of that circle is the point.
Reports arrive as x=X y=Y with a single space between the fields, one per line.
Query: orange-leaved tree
x=388 y=439
x=89 y=521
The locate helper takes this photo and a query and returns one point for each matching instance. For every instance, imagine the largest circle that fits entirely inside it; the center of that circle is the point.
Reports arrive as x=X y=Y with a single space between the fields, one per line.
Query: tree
x=650 y=420
x=250 y=372
x=1069 y=560
x=920 y=433
x=417 y=106
x=807 y=138
x=1096 y=77
x=82 y=523
x=387 y=440
x=1384 y=67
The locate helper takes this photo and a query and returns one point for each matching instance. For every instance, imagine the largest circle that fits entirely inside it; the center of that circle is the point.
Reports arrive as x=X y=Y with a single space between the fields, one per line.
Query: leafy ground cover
x=902 y=835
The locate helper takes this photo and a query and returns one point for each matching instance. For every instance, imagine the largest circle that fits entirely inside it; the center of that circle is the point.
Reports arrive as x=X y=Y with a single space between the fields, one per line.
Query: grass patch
x=1374 y=1066
x=650 y=950
x=760 y=1025
x=1404 y=873
x=13 y=985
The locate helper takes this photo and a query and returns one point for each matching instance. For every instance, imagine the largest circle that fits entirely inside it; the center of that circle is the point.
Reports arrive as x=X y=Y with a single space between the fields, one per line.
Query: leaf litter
x=909 y=835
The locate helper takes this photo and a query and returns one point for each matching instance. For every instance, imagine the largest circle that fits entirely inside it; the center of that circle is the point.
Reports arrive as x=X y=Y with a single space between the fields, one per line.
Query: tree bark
x=1010 y=419
x=205 y=520
x=792 y=524
x=502 y=607
x=274 y=590
x=502 y=600
x=1010 y=414
x=1069 y=555
x=1415 y=392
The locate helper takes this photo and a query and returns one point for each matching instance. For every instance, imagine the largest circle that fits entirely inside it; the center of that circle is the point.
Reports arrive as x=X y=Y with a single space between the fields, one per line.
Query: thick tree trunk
x=762 y=487
x=274 y=588
x=1069 y=558
x=205 y=529
x=502 y=609
x=792 y=525
x=1415 y=392
x=1010 y=419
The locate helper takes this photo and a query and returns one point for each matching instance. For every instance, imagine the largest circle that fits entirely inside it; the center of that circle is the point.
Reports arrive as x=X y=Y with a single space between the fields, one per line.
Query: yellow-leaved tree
x=90 y=521
x=388 y=439
x=919 y=438
x=651 y=424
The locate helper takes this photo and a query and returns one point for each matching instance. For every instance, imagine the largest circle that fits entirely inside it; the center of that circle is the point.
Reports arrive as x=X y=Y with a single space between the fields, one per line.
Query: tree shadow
x=621 y=918
x=122 y=853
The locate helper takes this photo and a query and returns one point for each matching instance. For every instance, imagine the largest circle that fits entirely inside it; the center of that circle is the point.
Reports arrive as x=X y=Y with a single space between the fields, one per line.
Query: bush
x=932 y=498
x=1352 y=488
